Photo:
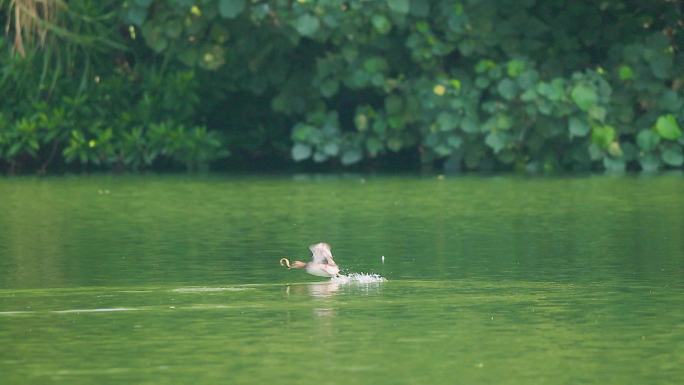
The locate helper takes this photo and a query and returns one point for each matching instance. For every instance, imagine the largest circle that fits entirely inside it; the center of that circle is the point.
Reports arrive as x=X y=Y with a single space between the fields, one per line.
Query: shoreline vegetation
x=330 y=85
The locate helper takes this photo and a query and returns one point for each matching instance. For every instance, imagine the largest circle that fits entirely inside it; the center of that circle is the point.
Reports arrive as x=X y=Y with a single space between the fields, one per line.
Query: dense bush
x=478 y=85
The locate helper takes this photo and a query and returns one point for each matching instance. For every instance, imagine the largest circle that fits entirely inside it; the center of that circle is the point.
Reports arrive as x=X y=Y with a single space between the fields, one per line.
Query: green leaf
x=661 y=65
x=443 y=150
x=230 y=8
x=503 y=121
x=14 y=149
x=603 y=136
x=188 y=57
x=173 y=29
x=374 y=145
x=507 y=89
x=495 y=73
x=528 y=79
x=673 y=156
x=396 y=122
x=301 y=151
x=394 y=144
x=482 y=82
x=484 y=65
x=578 y=127
x=307 y=25
x=615 y=149
x=375 y=65
x=515 y=67
x=155 y=37
x=649 y=162
x=420 y=8
x=496 y=140
x=361 y=122
x=319 y=157
x=670 y=101
x=625 y=72
x=584 y=96
x=469 y=125
x=597 y=113
x=399 y=6
x=595 y=152
x=331 y=149
x=446 y=122
x=381 y=23
x=614 y=165
x=351 y=156
x=136 y=15
x=668 y=128
x=529 y=95
x=506 y=156
x=647 y=140
x=33 y=143
x=557 y=89
x=629 y=151
x=544 y=88
x=329 y=87
x=393 y=105
x=454 y=141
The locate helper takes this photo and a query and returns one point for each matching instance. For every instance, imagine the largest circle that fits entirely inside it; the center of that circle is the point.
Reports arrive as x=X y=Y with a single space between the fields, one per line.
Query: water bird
x=322 y=263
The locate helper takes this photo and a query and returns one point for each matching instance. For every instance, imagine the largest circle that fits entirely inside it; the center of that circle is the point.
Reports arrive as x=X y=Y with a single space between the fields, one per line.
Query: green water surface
x=497 y=280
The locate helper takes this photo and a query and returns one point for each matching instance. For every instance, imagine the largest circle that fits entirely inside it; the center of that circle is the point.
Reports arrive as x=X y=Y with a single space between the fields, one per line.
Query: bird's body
x=322 y=263
x=322 y=269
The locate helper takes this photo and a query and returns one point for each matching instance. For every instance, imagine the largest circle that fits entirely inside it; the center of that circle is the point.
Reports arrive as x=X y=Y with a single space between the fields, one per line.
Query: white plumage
x=322 y=263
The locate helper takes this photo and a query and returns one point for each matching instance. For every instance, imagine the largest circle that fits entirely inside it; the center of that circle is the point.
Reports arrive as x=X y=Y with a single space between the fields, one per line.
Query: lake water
x=495 y=280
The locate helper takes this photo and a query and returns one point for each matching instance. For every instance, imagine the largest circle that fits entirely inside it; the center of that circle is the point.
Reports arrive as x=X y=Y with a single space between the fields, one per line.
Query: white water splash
x=359 y=278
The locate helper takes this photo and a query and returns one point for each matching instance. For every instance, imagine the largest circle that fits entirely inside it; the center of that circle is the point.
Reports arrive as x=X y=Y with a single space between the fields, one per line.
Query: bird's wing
x=321 y=253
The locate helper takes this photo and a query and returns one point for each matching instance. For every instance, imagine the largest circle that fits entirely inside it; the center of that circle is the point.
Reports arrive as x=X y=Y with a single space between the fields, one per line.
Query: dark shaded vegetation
x=531 y=86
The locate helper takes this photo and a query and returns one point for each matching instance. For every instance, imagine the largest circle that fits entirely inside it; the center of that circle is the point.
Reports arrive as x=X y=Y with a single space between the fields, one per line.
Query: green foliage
x=230 y=8
x=476 y=85
x=667 y=127
x=672 y=155
x=584 y=96
x=647 y=140
x=117 y=123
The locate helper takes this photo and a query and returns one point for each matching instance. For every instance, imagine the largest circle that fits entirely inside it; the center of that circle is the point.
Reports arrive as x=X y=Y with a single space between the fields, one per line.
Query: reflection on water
x=324 y=312
x=323 y=289
x=208 y=289
x=490 y=281
x=315 y=290
x=353 y=284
